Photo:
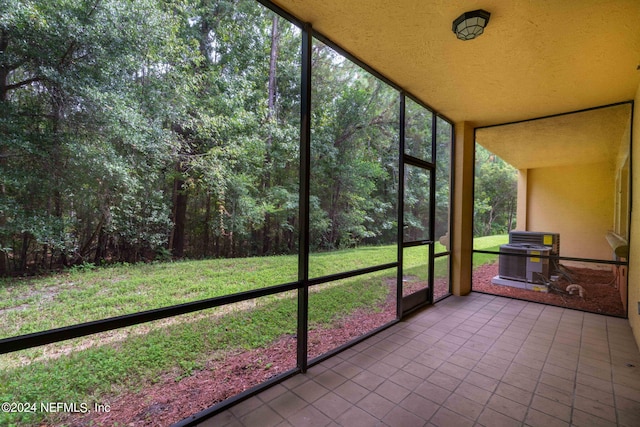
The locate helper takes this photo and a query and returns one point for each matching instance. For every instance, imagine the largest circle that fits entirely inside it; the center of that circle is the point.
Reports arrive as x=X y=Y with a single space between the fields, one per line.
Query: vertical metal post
x=452 y=177
x=432 y=205
x=305 y=174
x=629 y=235
x=401 y=142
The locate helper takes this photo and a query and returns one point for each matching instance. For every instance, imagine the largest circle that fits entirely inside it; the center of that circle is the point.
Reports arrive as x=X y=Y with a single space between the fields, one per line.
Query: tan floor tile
x=418 y=370
x=494 y=372
x=473 y=392
x=406 y=380
x=446 y=418
x=454 y=339
x=533 y=354
x=424 y=408
x=347 y=369
x=331 y=404
x=287 y=404
x=362 y=360
x=261 y=416
x=627 y=410
x=329 y=379
x=463 y=406
x=594 y=394
x=439 y=353
x=482 y=381
x=559 y=371
x=382 y=369
x=443 y=380
x=524 y=370
x=351 y=391
x=356 y=417
x=392 y=391
x=295 y=381
x=432 y=392
x=536 y=418
x=526 y=360
x=493 y=360
x=507 y=407
x=447 y=346
x=491 y=418
x=272 y=392
x=309 y=391
x=557 y=382
x=481 y=346
x=524 y=383
x=463 y=362
x=629 y=379
x=368 y=380
x=395 y=360
x=514 y=393
x=593 y=382
x=595 y=408
x=309 y=417
x=457 y=332
x=550 y=407
x=407 y=352
x=376 y=405
x=469 y=353
x=222 y=419
x=554 y=394
x=505 y=355
x=453 y=370
x=565 y=363
x=582 y=419
x=246 y=407
x=400 y=417
x=603 y=372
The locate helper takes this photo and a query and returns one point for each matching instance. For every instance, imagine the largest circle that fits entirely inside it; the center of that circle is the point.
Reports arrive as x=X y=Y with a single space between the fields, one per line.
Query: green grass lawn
x=488 y=243
x=139 y=355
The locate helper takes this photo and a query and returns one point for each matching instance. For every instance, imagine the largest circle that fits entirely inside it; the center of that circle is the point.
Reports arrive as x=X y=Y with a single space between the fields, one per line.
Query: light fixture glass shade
x=470 y=25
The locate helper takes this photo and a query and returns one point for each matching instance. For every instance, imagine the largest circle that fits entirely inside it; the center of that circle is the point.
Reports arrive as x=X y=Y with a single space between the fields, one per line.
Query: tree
x=121 y=141
x=354 y=154
x=82 y=85
x=495 y=194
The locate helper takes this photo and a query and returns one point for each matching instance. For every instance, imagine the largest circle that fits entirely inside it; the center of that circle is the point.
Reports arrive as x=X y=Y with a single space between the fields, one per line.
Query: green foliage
x=495 y=201
x=121 y=141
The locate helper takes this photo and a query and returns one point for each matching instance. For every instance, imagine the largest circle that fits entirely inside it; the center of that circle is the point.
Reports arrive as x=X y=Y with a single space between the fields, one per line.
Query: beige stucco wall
x=521 y=208
x=576 y=201
x=634 y=241
x=463 y=209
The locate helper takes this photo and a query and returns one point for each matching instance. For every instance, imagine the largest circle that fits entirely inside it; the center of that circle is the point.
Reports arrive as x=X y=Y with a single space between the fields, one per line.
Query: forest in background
x=496 y=194
x=141 y=130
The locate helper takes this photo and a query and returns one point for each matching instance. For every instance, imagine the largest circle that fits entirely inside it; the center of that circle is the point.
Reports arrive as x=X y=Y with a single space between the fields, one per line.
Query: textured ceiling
x=535 y=58
x=589 y=137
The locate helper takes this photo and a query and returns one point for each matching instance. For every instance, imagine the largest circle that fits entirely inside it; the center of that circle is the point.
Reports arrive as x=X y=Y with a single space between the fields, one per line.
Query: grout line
x=613 y=387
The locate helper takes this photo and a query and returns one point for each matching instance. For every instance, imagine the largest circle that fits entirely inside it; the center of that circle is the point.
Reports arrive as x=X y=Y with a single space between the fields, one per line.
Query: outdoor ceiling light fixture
x=470 y=25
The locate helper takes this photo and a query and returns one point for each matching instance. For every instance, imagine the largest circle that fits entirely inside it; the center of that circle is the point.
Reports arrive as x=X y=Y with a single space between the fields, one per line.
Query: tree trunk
x=179 y=218
x=207 y=225
x=4 y=69
x=271 y=119
x=25 y=252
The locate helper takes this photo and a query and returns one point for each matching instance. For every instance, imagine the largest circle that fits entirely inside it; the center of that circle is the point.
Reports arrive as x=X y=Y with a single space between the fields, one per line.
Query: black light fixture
x=470 y=25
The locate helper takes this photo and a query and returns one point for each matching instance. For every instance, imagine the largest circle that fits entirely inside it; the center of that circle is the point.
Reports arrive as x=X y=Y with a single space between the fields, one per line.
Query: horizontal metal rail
x=21 y=342
x=353 y=273
x=561 y=258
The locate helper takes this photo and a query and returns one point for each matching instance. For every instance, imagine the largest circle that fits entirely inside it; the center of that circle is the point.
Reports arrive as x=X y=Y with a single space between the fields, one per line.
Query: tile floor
x=478 y=360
